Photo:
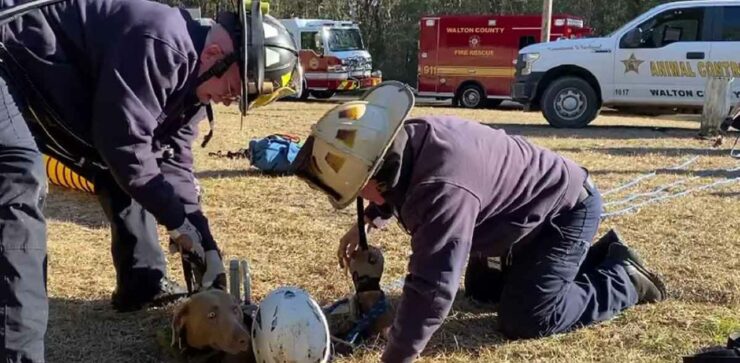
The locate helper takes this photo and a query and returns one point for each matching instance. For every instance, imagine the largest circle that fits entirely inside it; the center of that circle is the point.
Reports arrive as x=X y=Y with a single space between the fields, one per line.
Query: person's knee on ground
x=526 y=323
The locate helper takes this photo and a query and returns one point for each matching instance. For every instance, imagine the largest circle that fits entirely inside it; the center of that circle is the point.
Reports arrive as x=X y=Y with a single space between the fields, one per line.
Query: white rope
x=656 y=191
x=670 y=196
x=640 y=178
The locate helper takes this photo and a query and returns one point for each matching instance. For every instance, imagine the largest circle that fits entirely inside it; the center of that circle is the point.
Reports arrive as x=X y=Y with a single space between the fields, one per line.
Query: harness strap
x=378 y=309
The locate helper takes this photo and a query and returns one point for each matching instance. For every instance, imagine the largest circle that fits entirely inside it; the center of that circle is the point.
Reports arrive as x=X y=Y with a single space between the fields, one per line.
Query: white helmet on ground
x=289 y=326
x=346 y=147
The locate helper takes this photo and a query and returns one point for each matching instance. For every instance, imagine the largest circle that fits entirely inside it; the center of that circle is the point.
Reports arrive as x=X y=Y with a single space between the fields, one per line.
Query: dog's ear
x=178 y=324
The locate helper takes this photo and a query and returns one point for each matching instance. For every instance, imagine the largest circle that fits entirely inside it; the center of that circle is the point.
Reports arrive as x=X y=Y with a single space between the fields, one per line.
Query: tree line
x=390 y=27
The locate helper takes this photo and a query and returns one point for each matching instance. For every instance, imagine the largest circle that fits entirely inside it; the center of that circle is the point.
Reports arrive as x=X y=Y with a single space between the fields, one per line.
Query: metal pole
x=715 y=105
x=546 y=21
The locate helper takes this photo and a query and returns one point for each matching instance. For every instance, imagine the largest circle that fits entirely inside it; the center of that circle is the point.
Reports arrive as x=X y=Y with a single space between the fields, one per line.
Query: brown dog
x=212 y=319
x=366 y=267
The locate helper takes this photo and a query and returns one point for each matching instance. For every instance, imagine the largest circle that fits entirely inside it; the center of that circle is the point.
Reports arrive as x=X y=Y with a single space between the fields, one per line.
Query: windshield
x=621 y=27
x=341 y=40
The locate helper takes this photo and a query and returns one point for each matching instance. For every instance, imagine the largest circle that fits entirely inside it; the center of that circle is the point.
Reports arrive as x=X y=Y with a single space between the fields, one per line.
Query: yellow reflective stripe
x=476 y=71
x=285 y=79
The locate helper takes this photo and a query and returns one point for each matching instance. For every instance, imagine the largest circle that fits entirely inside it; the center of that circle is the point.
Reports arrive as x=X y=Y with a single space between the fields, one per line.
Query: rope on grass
x=636 y=207
x=640 y=178
x=660 y=189
x=654 y=192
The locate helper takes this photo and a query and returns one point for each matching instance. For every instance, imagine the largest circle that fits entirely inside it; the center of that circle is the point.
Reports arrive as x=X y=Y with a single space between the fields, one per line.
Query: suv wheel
x=570 y=102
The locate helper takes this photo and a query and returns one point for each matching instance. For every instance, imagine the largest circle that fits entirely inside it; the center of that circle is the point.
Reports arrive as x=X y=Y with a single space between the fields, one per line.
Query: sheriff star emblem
x=632 y=64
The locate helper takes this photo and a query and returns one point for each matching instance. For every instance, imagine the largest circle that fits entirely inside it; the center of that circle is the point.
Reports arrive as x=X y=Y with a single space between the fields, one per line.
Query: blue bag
x=274 y=154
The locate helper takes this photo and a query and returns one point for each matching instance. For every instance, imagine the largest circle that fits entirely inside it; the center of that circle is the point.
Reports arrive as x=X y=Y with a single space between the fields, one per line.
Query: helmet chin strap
x=216 y=71
x=361 y=224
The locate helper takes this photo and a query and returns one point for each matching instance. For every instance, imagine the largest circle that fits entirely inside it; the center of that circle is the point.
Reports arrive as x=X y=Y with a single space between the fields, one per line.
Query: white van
x=660 y=60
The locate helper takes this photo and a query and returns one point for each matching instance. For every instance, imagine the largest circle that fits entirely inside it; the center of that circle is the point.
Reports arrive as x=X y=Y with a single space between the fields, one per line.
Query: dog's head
x=211 y=319
x=366 y=267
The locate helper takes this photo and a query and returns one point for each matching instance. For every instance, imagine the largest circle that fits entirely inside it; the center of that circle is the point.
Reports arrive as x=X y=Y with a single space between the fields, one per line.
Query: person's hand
x=188 y=239
x=348 y=244
x=194 y=241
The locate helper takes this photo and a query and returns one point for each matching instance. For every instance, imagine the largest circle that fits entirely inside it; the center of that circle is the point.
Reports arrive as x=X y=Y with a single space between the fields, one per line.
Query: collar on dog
x=360 y=328
x=365 y=283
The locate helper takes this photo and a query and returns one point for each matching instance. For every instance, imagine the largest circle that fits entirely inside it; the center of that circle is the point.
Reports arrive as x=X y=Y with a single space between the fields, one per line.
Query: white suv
x=660 y=60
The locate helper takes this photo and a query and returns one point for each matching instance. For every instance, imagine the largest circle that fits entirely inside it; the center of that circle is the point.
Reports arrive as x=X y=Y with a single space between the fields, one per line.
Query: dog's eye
x=211 y=315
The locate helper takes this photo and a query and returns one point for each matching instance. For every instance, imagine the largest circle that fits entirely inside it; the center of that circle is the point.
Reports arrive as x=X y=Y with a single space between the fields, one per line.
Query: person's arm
x=135 y=80
x=179 y=170
x=441 y=218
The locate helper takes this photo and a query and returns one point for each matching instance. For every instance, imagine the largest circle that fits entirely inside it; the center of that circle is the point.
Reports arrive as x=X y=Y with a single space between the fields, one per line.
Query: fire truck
x=333 y=56
x=471 y=59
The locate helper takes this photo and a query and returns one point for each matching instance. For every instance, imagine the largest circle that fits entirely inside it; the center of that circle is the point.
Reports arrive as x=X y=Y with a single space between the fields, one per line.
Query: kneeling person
x=462 y=189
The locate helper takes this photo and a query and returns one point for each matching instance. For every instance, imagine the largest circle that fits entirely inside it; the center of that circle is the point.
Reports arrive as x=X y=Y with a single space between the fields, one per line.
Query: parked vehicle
x=333 y=56
x=471 y=58
x=658 y=62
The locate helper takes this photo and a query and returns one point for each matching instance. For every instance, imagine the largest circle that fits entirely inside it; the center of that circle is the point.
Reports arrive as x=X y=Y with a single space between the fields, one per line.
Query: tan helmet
x=347 y=145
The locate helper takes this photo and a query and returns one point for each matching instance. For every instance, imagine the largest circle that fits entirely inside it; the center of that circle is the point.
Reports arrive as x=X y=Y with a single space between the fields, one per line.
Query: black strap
x=361 y=223
x=57 y=139
x=12 y=13
x=218 y=69
x=187 y=270
x=211 y=124
x=258 y=43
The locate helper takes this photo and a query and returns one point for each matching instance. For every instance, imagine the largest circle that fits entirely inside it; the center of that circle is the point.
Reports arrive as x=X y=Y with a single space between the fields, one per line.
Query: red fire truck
x=471 y=59
x=333 y=56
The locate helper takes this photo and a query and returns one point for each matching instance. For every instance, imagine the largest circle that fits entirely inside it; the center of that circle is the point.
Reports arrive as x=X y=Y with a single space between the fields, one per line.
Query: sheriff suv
x=659 y=61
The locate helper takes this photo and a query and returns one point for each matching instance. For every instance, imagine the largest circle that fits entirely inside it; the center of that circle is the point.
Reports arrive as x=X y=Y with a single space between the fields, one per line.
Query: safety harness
x=360 y=327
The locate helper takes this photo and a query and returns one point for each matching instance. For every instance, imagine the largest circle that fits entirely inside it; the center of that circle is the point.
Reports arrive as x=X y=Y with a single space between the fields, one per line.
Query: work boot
x=128 y=300
x=648 y=285
x=598 y=251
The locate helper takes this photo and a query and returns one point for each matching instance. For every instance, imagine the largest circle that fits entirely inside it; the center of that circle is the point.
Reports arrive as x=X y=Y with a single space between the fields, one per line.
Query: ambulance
x=470 y=58
x=333 y=56
x=658 y=62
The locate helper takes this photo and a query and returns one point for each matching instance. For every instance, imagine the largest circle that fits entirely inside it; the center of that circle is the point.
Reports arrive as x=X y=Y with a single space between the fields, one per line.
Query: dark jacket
x=120 y=73
x=464 y=187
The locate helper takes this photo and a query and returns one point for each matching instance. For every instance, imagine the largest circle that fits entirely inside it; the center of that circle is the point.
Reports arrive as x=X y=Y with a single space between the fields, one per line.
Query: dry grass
x=289 y=233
